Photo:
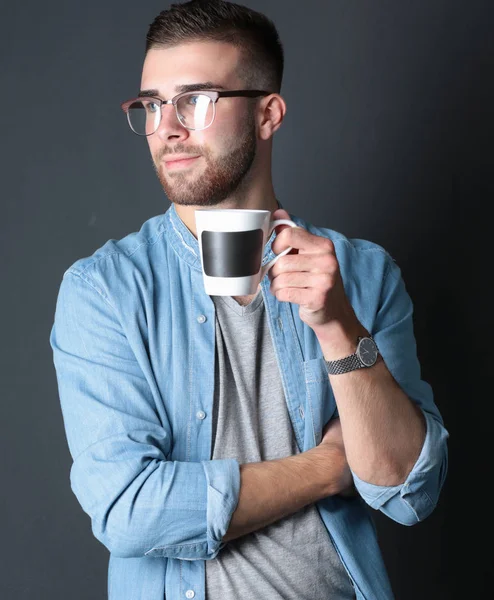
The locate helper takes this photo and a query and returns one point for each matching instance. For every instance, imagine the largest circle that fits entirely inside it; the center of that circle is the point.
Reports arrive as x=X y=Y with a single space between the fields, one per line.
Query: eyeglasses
x=195 y=110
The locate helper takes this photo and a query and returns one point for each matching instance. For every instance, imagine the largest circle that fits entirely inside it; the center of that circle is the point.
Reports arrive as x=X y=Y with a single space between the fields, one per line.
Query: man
x=231 y=447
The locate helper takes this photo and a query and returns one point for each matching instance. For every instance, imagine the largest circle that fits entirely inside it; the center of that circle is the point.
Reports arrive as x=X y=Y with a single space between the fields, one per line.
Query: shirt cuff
x=415 y=498
x=223 y=490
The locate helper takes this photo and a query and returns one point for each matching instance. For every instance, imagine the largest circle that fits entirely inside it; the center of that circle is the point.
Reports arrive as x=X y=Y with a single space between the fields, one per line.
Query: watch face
x=367 y=351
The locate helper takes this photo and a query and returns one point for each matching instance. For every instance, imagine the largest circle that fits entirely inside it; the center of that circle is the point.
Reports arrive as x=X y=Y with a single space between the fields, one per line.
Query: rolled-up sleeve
x=414 y=499
x=140 y=503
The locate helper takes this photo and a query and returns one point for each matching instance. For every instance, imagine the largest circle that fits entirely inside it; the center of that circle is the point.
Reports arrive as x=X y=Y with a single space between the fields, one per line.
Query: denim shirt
x=133 y=344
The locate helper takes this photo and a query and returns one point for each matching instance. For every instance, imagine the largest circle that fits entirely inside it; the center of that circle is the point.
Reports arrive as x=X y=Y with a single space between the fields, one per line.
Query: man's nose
x=169 y=125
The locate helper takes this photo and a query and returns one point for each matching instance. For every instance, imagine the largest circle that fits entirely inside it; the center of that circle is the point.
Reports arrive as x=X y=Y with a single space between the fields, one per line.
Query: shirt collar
x=187 y=246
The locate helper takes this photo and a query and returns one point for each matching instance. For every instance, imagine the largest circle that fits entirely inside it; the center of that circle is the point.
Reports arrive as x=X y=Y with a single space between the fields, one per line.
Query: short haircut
x=252 y=32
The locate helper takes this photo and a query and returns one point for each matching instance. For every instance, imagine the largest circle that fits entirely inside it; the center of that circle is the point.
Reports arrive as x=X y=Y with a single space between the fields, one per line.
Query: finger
x=303 y=240
x=280 y=213
x=313 y=263
x=302 y=279
x=295 y=295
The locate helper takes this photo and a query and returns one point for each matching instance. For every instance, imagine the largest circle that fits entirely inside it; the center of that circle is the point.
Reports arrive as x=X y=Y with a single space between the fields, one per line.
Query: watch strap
x=344 y=365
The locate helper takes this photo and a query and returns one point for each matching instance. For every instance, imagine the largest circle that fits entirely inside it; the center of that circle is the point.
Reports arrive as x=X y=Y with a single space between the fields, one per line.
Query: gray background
x=403 y=157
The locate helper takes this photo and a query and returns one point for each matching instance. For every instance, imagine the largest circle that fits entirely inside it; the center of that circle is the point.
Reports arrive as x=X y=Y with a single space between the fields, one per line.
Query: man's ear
x=272 y=113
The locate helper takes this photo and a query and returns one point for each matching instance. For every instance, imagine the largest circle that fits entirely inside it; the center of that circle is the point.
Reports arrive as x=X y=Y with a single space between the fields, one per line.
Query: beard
x=221 y=178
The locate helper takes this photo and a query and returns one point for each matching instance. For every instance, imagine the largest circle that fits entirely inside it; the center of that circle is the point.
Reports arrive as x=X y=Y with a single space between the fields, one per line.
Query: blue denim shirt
x=133 y=344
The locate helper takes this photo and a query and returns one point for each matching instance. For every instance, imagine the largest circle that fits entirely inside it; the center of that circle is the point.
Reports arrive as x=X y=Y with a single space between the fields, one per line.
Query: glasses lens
x=144 y=116
x=195 y=111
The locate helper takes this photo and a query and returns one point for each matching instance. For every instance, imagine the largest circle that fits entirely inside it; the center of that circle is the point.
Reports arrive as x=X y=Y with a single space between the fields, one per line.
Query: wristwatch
x=365 y=356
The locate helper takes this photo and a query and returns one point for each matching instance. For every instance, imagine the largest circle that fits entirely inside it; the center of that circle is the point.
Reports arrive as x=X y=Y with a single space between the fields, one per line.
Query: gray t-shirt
x=294 y=558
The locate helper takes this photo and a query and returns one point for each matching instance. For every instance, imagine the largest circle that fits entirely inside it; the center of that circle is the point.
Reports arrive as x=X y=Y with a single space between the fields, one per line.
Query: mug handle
x=267 y=266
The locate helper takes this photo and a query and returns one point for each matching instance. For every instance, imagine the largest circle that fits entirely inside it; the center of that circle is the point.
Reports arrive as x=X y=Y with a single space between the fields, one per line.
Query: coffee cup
x=231 y=244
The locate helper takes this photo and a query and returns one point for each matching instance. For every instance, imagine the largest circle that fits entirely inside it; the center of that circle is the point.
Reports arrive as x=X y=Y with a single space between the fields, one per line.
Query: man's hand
x=309 y=275
x=333 y=449
x=310 y=278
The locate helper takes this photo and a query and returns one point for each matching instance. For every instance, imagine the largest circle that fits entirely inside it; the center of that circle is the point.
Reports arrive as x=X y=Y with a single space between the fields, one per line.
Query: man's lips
x=180 y=161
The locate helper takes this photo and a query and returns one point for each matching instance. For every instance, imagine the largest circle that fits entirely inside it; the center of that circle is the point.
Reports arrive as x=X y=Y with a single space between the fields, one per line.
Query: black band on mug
x=232 y=253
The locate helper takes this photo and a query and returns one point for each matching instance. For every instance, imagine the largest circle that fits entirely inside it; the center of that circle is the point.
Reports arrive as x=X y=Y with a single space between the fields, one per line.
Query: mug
x=231 y=243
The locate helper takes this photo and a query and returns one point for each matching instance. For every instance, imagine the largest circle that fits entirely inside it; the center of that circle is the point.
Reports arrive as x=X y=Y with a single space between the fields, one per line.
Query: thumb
x=280 y=213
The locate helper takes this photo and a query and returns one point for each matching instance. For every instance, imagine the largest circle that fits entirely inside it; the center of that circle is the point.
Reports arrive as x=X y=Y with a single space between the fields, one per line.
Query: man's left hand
x=310 y=278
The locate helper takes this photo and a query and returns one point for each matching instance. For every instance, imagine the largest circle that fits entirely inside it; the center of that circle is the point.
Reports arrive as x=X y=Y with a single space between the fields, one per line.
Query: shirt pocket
x=320 y=402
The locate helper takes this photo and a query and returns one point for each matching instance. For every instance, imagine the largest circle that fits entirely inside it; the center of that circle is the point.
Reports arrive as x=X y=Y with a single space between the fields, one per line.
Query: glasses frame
x=213 y=95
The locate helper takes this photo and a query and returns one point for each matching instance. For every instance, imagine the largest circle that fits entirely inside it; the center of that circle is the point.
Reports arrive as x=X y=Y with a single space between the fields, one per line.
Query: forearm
x=274 y=489
x=383 y=430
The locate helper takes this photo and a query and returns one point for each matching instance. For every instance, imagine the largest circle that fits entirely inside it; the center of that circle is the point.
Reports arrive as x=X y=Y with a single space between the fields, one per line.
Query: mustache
x=180 y=149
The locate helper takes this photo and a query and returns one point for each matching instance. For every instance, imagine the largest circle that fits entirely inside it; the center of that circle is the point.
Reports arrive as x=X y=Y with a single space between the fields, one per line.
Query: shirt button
x=200 y=414
x=190 y=593
x=201 y=319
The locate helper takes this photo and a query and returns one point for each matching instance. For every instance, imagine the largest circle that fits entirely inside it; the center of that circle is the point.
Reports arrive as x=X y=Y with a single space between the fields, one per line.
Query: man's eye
x=193 y=100
x=151 y=107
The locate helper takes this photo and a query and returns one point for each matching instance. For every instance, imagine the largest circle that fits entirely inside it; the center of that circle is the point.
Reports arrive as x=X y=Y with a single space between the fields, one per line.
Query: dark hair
x=221 y=21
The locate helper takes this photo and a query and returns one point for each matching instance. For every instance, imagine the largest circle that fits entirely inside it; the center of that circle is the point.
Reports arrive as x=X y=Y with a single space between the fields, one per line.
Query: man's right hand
x=333 y=448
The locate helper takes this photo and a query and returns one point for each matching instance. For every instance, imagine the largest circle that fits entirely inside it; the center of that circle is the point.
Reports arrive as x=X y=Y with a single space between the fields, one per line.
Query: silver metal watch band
x=344 y=365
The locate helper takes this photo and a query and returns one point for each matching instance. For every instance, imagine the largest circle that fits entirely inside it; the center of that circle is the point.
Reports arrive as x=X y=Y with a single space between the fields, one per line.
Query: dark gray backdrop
x=403 y=156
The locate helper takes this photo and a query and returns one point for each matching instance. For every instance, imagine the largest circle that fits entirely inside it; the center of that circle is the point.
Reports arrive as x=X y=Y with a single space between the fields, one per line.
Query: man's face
x=226 y=150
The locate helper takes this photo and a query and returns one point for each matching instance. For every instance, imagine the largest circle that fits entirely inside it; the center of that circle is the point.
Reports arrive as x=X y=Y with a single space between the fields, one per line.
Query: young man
x=231 y=447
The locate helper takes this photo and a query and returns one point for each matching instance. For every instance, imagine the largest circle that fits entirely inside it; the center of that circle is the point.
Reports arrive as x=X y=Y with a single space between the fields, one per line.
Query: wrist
x=330 y=468
x=337 y=341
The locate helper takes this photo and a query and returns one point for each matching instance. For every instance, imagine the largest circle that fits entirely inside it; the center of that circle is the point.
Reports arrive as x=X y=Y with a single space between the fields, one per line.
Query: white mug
x=231 y=243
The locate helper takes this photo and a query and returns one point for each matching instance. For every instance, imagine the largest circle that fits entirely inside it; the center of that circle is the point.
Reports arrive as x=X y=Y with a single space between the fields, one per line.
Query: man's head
x=227 y=47
x=262 y=59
